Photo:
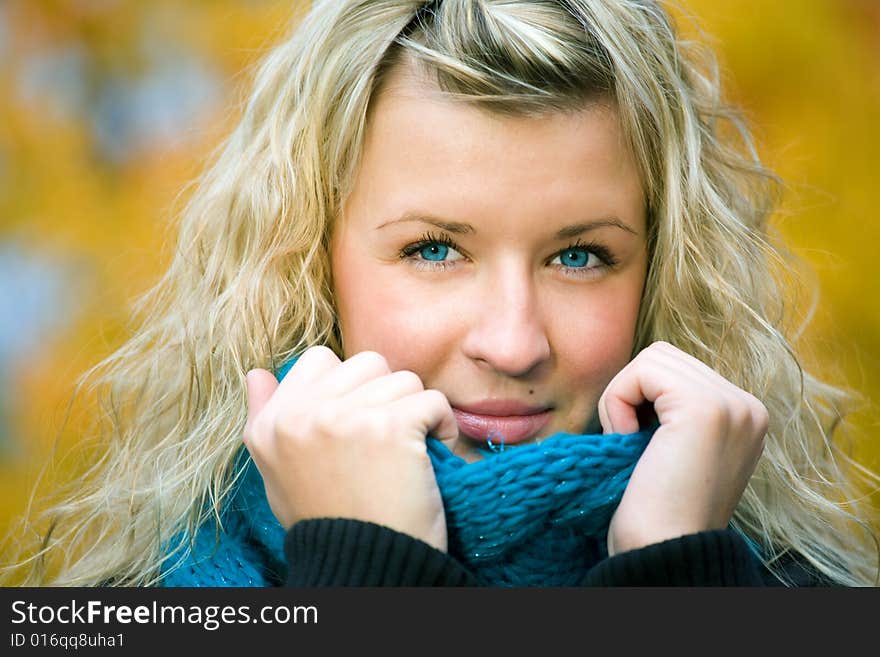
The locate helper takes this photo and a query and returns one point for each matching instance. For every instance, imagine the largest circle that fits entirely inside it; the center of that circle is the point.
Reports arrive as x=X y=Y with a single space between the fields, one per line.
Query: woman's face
x=500 y=259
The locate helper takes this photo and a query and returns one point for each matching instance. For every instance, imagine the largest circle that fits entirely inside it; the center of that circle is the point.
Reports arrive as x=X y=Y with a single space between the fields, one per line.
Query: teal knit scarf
x=535 y=515
x=531 y=515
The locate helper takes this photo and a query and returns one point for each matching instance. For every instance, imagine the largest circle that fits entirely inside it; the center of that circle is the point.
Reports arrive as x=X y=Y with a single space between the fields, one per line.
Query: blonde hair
x=250 y=282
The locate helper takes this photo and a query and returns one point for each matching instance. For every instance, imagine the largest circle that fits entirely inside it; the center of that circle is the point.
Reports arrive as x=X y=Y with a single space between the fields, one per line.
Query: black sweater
x=343 y=552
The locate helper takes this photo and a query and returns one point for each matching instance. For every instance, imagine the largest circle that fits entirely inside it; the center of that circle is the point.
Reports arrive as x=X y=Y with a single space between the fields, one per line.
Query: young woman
x=514 y=274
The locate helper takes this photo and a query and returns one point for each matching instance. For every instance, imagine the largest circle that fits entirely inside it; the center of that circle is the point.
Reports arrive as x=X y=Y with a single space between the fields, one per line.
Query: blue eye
x=574 y=257
x=434 y=252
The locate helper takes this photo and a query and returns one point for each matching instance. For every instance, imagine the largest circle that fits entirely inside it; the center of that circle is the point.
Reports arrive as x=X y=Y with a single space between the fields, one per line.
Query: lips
x=504 y=421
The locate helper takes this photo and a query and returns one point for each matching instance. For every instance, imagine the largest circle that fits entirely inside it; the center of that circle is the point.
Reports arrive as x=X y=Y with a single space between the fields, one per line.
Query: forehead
x=424 y=149
x=409 y=102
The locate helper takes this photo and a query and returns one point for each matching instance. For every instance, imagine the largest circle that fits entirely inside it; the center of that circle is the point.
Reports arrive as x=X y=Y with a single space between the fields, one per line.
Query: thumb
x=261 y=384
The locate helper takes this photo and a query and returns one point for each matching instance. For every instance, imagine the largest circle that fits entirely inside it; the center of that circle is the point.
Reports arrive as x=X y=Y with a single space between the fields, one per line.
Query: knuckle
x=319 y=352
x=247 y=436
x=281 y=426
x=293 y=426
x=379 y=426
x=661 y=345
x=761 y=418
x=438 y=398
x=717 y=416
x=739 y=414
x=326 y=417
x=373 y=360
x=410 y=380
x=256 y=434
x=435 y=396
x=650 y=353
x=260 y=426
x=755 y=413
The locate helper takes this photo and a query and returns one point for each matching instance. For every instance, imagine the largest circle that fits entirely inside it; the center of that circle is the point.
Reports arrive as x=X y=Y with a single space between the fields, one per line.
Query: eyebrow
x=460 y=228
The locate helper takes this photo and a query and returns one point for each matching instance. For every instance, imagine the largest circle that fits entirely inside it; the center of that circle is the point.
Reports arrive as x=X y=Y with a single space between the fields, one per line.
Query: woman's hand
x=693 y=472
x=347 y=440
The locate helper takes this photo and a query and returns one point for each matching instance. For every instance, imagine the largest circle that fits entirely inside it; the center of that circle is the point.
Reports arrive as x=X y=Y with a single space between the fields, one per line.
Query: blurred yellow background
x=110 y=107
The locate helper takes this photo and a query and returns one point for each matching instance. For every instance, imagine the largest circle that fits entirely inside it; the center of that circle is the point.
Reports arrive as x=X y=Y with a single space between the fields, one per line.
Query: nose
x=506 y=329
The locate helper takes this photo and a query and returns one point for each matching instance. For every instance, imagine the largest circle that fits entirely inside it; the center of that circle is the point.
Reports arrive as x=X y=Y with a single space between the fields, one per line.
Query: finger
x=354 y=372
x=385 y=389
x=312 y=364
x=617 y=416
x=632 y=408
x=688 y=365
x=637 y=383
x=430 y=411
x=699 y=377
x=261 y=385
x=686 y=371
x=619 y=420
x=681 y=355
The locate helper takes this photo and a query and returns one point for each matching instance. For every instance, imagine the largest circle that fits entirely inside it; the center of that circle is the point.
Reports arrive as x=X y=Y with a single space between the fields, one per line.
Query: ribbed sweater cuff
x=344 y=552
x=712 y=558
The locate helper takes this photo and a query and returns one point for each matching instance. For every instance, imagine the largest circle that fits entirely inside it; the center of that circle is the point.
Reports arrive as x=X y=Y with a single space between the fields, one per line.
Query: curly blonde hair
x=250 y=281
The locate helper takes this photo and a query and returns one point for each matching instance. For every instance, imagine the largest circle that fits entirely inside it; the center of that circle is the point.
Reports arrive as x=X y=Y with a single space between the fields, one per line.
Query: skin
x=512 y=311
x=498 y=321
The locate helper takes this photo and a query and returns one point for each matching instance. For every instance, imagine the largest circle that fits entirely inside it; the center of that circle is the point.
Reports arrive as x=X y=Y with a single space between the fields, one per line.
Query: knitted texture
x=248 y=551
x=534 y=514
x=538 y=514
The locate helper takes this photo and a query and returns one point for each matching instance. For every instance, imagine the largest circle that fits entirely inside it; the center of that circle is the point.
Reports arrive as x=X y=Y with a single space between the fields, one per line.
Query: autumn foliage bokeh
x=95 y=161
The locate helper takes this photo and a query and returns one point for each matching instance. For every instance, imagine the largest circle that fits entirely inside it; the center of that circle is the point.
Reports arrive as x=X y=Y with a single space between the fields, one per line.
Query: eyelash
x=609 y=261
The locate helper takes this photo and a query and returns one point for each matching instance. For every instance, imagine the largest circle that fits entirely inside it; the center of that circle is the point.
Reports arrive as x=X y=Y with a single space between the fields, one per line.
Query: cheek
x=379 y=312
x=593 y=355
x=595 y=342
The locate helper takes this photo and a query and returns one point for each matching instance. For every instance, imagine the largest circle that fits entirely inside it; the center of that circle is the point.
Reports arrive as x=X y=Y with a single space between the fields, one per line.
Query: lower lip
x=508 y=430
